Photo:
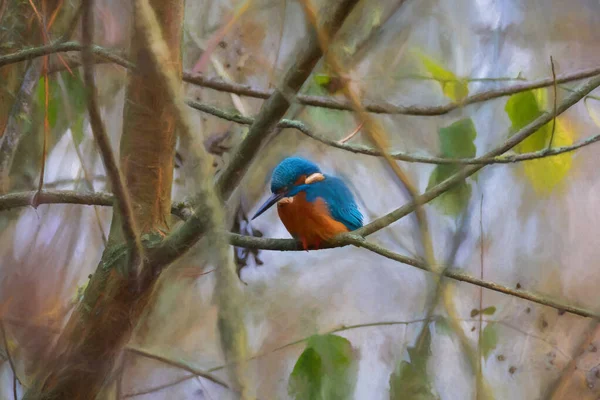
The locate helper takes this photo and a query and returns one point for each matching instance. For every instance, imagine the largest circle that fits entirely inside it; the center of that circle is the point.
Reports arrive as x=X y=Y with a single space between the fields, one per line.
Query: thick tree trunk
x=87 y=351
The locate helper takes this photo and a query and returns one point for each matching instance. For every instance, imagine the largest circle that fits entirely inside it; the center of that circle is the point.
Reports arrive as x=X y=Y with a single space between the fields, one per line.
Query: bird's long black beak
x=275 y=197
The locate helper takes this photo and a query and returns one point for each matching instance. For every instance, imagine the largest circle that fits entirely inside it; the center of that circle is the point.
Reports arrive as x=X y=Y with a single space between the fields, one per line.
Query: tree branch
x=159 y=387
x=398 y=155
x=114 y=56
x=122 y=198
x=105 y=199
x=178 y=364
x=278 y=103
x=23 y=199
x=469 y=170
x=58 y=47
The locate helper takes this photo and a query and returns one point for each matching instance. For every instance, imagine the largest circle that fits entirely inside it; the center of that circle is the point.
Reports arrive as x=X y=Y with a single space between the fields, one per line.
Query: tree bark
x=86 y=353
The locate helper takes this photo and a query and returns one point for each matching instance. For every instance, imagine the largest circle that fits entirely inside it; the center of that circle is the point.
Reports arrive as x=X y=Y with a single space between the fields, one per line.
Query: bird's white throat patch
x=317 y=177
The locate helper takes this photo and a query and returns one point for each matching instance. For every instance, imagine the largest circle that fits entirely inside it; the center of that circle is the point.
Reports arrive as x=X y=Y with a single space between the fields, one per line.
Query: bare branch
x=461 y=276
x=24 y=199
x=178 y=364
x=433 y=318
x=467 y=171
x=398 y=155
x=278 y=103
x=115 y=56
x=554 y=103
x=128 y=223
x=386 y=107
x=105 y=199
x=35 y=52
x=159 y=387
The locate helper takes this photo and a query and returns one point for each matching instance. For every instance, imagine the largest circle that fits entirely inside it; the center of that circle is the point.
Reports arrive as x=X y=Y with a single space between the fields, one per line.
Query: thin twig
x=10 y=360
x=178 y=364
x=46 y=131
x=464 y=277
x=352 y=134
x=123 y=201
x=555 y=101
x=481 y=258
x=343 y=328
x=160 y=387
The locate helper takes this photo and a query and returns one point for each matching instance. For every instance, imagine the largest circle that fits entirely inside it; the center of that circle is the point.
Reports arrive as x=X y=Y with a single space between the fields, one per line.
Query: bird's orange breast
x=310 y=222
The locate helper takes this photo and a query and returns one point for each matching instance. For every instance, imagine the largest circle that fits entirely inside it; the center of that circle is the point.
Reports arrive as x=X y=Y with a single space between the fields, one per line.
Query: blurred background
x=529 y=225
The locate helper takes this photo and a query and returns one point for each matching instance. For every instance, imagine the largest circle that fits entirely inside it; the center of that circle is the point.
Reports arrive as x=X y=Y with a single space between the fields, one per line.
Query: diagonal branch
x=178 y=364
x=230 y=321
x=278 y=103
x=122 y=198
x=467 y=171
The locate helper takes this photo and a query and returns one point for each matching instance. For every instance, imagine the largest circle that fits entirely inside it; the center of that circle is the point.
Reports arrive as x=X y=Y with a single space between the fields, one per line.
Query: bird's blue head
x=287 y=177
x=289 y=173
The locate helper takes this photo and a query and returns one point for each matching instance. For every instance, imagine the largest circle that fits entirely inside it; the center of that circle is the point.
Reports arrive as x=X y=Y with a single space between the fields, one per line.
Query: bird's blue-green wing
x=339 y=199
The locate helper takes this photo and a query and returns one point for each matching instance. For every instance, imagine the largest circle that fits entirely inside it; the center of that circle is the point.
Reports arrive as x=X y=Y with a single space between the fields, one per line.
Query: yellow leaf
x=454 y=88
x=545 y=174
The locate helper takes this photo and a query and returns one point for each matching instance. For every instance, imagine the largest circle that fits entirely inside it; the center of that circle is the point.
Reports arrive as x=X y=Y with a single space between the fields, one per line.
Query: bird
x=313 y=207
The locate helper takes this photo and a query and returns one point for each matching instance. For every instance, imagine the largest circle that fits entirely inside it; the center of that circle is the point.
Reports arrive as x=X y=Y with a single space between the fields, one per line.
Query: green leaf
x=410 y=380
x=306 y=379
x=456 y=141
x=545 y=173
x=452 y=201
x=322 y=79
x=489 y=340
x=455 y=89
x=325 y=370
x=522 y=108
x=489 y=310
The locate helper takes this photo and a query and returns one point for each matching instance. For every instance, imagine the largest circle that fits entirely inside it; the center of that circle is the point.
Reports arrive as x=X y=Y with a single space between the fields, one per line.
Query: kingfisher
x=313 y=207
